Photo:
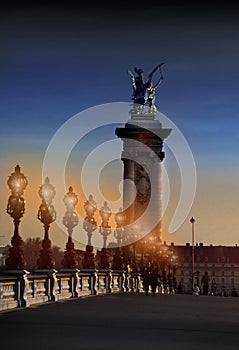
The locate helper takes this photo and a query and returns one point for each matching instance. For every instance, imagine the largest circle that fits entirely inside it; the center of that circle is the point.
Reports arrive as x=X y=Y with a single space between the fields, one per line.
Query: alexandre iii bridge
x=101 y=304
x=118 y=269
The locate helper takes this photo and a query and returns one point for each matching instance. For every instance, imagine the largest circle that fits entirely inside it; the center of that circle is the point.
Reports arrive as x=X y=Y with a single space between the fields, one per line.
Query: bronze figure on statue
x=144 y=91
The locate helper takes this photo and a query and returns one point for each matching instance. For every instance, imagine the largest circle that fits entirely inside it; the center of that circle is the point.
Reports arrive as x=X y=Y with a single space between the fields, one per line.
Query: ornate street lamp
x=142 y=244
x=158 y=245
x=163 y=261
x=174 y=266
x=118 y=233
x=170 y=266
x=89 y=226
x=47 y=215
x=17 y=183
x=70 y=220
x=192 y=220
x=105 y=230
x=150 y=250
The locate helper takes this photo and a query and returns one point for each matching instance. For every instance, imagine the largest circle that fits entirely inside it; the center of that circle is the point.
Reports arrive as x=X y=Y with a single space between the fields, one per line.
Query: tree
x=32 y=247
x=4 y=253
x=58 y=256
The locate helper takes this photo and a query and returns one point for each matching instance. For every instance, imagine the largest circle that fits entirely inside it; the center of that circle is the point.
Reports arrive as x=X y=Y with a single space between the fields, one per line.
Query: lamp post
x=142 y=243
x=105 y=230
x=118 y=233
x=192 y=220
x=131 y=238
x=47 y=215
x=119 y=220
x=170 y=266
x=70 y=220
x=89 y=226
x=163 y=261
x=17 y=183
x=174 y=265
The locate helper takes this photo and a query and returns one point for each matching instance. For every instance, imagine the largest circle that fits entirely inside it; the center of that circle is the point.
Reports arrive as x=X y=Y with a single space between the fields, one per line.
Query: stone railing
x=19 y=288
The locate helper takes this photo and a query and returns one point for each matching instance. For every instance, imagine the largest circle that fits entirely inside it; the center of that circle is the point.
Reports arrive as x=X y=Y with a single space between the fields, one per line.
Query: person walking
x=150 y=279
x=205 y=283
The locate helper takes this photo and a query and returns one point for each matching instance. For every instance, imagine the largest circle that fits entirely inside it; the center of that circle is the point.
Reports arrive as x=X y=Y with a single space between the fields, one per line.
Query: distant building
x=221 y=263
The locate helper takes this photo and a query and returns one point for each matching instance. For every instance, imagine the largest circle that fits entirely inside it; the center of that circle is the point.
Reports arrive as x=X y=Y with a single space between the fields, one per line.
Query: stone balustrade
x=21 y=289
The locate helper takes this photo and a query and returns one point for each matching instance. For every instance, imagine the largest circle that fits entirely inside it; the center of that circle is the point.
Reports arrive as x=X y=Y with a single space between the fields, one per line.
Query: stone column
x=142 y=156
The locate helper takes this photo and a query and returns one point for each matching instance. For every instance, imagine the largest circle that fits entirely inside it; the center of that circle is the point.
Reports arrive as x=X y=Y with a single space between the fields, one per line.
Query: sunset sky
x=57 y=61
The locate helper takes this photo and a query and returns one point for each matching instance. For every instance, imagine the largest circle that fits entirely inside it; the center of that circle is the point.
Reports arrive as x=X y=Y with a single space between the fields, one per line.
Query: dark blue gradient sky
x=56 y=61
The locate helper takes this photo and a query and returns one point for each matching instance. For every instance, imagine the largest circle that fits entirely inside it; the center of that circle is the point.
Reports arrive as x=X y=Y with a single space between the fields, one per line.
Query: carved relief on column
x=129 y=187
x=156 y=176
x=143 y=185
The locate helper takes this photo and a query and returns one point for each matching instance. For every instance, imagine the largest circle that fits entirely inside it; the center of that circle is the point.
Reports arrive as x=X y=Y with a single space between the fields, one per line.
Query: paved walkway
x=125 y=321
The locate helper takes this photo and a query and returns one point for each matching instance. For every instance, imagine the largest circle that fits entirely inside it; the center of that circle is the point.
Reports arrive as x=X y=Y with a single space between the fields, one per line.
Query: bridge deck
x=124 y=321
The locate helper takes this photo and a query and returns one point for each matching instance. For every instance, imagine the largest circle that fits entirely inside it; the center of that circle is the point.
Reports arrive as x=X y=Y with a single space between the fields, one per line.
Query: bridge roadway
x=125 y=321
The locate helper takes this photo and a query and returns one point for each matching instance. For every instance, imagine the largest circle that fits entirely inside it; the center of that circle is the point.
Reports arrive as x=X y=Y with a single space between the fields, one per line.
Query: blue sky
x=56 y=61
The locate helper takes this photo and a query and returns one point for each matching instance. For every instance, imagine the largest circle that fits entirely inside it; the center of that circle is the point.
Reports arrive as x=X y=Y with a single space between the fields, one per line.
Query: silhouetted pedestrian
x=150 y=278
x=153 y=280
x=205 y=283
x=180 y=288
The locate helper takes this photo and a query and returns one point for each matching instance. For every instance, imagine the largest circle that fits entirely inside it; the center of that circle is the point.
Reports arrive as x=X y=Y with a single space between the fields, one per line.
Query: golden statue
x=144 y=91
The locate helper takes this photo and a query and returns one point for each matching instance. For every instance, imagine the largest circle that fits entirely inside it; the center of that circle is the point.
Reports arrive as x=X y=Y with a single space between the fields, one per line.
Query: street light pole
x=105 y=230
x=17 y=183
x=118 y=233
x=47 y=215
x=70 y=220
x=90 y=226
x=192 y=220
